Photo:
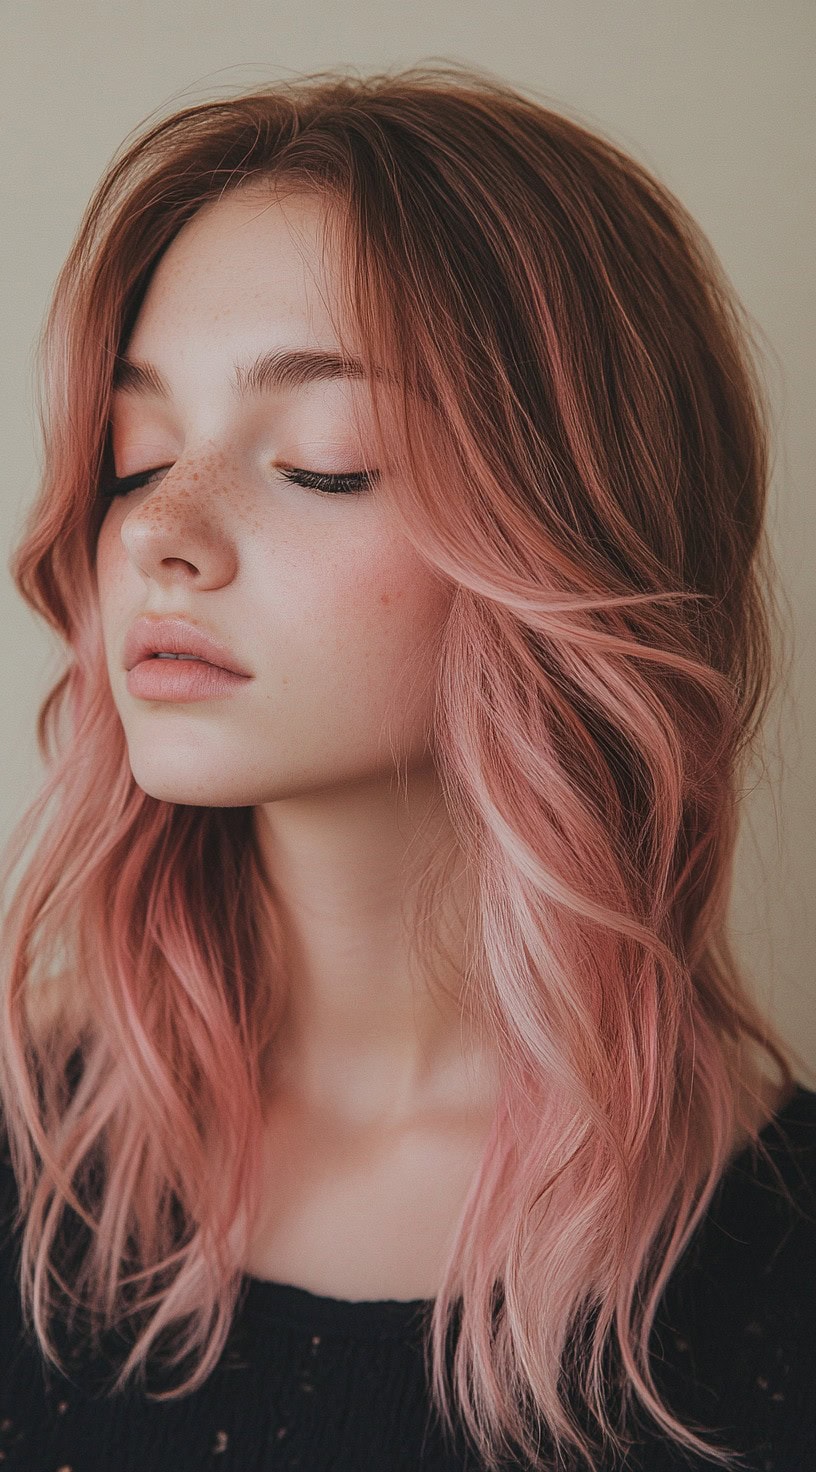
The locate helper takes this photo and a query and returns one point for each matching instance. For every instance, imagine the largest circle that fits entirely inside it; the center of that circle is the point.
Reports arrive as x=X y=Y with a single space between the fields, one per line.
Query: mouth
x=177 y=638
x=182 y=659
x=161 y=677
x=182 y=656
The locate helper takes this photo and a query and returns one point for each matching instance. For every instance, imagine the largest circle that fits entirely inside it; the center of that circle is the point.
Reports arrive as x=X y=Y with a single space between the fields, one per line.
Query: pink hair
x=580 y=445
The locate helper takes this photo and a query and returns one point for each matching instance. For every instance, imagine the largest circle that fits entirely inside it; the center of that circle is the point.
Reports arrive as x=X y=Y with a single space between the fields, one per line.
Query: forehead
x=256 y=259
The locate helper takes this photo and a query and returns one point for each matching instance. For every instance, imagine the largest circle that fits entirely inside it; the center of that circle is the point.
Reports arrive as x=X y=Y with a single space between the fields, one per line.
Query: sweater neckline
x=317 y=1311
x=267 y=1298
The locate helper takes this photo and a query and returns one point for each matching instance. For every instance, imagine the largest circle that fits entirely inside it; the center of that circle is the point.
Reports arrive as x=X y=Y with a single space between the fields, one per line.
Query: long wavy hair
x=579 y=434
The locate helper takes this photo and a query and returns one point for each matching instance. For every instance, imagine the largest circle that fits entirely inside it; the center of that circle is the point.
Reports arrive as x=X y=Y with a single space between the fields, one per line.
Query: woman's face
x=315 y=593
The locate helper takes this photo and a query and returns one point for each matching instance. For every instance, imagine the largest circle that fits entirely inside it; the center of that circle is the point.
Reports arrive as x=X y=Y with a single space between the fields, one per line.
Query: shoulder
x=767 y=1195
x=760 y=1226
x=735 y=1331
x=760 y=1240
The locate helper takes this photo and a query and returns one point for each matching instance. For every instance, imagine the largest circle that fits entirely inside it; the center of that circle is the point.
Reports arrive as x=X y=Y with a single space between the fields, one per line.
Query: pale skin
x=382 y=1096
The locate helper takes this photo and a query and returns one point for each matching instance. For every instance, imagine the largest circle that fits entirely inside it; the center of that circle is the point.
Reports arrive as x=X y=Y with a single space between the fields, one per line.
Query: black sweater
x=318 y=1384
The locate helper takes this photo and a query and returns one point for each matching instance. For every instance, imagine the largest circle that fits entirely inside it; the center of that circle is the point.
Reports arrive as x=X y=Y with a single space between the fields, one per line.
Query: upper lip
x=150 y=635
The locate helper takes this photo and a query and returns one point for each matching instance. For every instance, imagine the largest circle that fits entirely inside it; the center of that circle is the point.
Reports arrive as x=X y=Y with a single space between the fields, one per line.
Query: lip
x=181 y=679
x=148 y=636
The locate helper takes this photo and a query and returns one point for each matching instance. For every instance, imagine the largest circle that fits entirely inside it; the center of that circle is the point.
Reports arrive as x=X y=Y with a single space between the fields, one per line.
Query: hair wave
x=579 y=436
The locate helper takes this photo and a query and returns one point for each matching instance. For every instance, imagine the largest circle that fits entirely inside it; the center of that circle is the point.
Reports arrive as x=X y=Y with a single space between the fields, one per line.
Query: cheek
x=110 y=559
x=385 y=623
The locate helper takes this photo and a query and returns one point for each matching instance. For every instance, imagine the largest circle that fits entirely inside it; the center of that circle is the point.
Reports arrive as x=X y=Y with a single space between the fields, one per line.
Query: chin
x=189 y=787
x=187 y=795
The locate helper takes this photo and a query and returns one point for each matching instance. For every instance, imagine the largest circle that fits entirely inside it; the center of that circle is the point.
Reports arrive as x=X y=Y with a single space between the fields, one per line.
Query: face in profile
x=319 y=599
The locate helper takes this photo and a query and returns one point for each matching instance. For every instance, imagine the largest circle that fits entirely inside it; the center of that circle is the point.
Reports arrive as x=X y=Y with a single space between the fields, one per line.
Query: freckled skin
x=318 y=596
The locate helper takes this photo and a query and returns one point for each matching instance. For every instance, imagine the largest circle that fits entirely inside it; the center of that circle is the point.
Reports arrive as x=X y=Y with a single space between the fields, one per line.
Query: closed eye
x=350 y=482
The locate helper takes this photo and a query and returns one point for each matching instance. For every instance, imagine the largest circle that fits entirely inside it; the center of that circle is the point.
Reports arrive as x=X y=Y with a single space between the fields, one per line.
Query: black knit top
x=321 y=1384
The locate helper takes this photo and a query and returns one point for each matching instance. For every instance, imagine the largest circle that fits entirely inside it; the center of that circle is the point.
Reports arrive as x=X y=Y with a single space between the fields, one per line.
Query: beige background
x=714 y=95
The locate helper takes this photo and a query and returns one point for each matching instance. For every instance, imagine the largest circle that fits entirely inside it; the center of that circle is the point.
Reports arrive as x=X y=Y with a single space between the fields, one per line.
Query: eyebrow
x=282 y=368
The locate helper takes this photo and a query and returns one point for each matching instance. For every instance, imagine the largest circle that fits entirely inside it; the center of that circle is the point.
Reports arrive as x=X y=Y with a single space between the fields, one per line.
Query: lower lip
x=181 y=679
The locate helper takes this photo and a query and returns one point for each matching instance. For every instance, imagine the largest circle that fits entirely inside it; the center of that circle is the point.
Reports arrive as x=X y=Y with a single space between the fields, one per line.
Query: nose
x=176 y=531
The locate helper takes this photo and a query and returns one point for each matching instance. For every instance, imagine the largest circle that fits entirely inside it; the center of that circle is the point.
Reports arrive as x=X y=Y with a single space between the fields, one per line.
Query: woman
x=381 y=1088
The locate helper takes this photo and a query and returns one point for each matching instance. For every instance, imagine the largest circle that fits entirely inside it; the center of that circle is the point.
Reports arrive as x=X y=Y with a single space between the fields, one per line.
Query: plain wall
x=715 y=96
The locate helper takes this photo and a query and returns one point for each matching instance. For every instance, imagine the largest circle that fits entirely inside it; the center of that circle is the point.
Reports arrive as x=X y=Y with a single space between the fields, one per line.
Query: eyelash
x=352 y=483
